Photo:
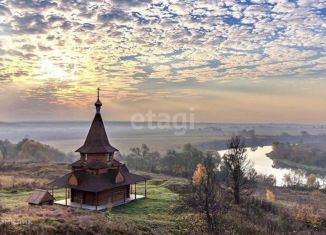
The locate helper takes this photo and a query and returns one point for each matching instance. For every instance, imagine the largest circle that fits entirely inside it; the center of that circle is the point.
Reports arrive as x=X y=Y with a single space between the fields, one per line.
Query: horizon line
x=201 y=122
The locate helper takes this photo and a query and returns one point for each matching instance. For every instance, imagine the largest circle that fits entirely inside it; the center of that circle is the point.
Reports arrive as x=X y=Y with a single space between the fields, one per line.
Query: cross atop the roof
x=97 y=140
x=98 y=103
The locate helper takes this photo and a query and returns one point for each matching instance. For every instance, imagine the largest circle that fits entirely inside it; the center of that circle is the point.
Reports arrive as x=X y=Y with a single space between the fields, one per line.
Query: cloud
x=33 y=4
x=55 y=18
x=88 y=26
x=28 y=47
x=126 y=44
x=131 y=5
x=4 y=10
x=131 y=2
x=114 y=15
x=30 y=23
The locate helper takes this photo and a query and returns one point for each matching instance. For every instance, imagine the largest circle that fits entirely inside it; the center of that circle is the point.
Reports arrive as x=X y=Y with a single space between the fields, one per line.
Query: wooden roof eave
x=129 y=178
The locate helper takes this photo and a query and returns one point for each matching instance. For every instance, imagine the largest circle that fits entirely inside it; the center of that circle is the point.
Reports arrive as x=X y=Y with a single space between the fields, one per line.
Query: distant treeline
x=31 y=150
x=306 y=154
x=254 y=140
x=180 y=163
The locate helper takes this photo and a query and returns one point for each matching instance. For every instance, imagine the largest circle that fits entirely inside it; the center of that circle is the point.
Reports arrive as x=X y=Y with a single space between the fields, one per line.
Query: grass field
x=9 y=199
x=152 y=215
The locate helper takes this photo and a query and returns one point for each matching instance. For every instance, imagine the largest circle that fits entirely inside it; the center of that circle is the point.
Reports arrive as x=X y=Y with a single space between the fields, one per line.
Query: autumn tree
x=270 y=196
x=200 y=175
x=206 y=195
x=238 y=170
x=144 y=150
x=267 y=180
x=139 y=153
x=312 y=182
x=294 y=178
x=182 y=163
x=287 y=180
x=3 y=151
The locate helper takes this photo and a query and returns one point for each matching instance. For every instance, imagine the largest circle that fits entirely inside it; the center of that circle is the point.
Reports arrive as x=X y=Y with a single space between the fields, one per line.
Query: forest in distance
x=312 y=154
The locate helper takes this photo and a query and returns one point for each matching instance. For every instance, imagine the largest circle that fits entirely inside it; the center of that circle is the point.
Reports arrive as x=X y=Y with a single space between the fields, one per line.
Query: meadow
x=159 y=213
x=153 y=215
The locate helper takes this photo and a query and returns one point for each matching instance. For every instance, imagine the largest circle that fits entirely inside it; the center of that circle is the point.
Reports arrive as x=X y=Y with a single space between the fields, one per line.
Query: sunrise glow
x=268 y=56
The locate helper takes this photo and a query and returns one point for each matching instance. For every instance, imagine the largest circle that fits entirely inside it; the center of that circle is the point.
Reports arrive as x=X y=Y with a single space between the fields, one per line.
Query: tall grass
x=15 y=182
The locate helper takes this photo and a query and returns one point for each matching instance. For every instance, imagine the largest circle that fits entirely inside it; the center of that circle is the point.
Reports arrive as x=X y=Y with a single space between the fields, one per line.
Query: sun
x=49 y=70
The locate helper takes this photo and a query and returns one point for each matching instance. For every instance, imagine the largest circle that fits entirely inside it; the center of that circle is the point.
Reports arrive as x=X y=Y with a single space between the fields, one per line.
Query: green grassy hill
x=152 y=215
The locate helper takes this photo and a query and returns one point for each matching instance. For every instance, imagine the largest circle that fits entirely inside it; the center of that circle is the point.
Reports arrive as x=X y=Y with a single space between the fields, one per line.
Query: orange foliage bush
x=308 y=216
x=200 y=175
x=270 y=196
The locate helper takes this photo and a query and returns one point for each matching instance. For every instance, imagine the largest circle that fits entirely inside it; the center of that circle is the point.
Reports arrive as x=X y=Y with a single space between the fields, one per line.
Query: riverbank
x=309 y=169
x=309 y=157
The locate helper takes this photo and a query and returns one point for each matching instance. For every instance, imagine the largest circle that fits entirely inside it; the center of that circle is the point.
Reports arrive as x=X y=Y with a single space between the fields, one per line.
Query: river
x=264 y=165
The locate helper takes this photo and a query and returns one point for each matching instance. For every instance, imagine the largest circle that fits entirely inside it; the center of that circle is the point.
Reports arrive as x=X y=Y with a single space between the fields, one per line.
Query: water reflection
x=264 y=165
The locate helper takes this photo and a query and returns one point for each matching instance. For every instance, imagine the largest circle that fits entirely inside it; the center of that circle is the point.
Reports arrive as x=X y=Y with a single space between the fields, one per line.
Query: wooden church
x=97 y=178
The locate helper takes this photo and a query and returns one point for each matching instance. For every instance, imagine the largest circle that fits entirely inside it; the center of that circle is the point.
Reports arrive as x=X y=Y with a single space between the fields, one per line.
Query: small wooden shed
x=40 y=197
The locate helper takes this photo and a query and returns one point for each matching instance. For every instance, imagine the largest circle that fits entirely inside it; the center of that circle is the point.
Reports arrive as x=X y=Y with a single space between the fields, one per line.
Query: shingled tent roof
x=39 y=196
x=97 y=140
x=97 y=183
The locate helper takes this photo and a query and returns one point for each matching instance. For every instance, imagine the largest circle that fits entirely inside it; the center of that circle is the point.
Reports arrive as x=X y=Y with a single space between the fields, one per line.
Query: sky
x=221 y=61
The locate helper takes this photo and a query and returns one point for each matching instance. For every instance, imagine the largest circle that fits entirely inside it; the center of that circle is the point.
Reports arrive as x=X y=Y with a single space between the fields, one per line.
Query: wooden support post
x=110 y=204
x=96 y=201
x=145 y=190
x=52 y=191
x=82 y=200
x=66 y=196
x=131 y=189
x=135 y=191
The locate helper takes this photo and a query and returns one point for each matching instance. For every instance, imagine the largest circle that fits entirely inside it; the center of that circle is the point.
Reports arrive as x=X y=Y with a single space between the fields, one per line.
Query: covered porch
x=68 y=203
x=129 y=196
